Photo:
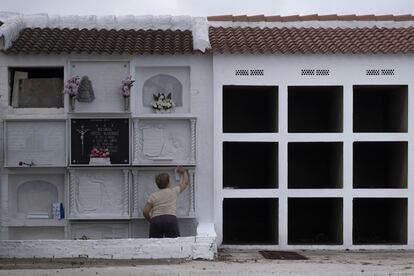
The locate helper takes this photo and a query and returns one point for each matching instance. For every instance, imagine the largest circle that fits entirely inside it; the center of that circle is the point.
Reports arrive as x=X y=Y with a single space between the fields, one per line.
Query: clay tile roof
x=311 y=40
x=57 y=41
x=312 y=17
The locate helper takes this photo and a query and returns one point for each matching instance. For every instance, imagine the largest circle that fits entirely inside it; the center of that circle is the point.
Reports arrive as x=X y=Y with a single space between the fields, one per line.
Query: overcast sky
x=208 y=7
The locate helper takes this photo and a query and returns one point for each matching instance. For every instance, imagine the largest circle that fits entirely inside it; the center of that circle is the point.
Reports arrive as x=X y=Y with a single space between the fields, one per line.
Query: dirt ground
x=228 y=263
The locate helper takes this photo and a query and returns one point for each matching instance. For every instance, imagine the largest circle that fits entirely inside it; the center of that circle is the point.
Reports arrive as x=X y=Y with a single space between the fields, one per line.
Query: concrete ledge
x=198 y=247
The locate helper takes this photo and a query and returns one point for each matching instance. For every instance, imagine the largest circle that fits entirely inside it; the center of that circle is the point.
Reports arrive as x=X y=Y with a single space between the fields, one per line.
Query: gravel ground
x=229 y=263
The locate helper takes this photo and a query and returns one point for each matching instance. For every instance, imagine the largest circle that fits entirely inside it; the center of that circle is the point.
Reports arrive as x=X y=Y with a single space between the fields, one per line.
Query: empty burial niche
x=380 y=108
x=380 y=165
x=315 y=108
x=36 y=87
x=250 y=165
x=250 y=221
x=315 y=221
x=250 y=109
x=315 y=165
x=380 y=221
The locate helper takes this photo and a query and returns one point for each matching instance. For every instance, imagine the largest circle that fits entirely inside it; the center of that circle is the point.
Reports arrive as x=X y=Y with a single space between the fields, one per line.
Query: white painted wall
x=200 y=106
x=283 y=71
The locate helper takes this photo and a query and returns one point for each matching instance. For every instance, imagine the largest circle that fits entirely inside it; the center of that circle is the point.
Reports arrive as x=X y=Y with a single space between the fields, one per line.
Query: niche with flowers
x=164 y=89
x=101 y=88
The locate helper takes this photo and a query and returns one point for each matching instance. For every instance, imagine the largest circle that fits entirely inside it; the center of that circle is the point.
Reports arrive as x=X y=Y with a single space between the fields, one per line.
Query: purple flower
x=71 y=86
x=127 y=83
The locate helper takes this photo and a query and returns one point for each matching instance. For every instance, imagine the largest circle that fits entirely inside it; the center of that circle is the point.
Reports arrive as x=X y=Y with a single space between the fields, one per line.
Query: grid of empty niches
x=315 y=164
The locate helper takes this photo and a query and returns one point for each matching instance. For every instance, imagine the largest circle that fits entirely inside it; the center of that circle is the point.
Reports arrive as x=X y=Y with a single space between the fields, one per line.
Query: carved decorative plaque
x=96 y=194
x=164 y=141
x=38 y=143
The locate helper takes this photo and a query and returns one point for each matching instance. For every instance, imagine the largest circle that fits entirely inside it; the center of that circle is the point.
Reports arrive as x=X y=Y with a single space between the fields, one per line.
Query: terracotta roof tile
x=57 y=41
x=313 y=17
x=312 y=40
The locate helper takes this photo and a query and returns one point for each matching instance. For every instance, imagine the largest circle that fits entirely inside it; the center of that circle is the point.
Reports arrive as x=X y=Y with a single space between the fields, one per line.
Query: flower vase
x=72 y=102
x=162 y=111
x=126 y=103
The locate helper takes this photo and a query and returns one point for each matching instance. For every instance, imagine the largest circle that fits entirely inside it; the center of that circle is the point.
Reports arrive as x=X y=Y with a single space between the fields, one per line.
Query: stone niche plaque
x=111 y=134
x=99 y=194
x=144 y=185
x=99 y=230
x=106 y=77
x=31 y=194
x=39 y=143
x=164 y=141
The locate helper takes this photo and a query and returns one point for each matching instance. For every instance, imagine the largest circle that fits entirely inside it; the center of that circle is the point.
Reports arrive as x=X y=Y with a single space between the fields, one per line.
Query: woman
x=161 y=206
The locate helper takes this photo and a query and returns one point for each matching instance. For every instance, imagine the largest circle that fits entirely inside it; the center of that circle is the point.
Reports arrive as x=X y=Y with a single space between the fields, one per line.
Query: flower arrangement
x=99 y=153
x=72 y=86
x=162 y=102
x=127 y=83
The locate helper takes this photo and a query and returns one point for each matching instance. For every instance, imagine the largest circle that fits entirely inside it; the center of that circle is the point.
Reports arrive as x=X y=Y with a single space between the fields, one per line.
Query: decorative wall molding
x=99 y=194
x=166 y=141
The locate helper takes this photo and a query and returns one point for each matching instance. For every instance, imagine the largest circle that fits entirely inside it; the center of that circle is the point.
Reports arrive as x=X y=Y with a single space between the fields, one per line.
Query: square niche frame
x=250 y=108
x=144 y=185
x=35 y=190
x=380 y=108
x=106 y=77
x=315 y=108
x=38 y=143
x=99 y=194
x=102 y=136
x=170 y=78
x=170 y=141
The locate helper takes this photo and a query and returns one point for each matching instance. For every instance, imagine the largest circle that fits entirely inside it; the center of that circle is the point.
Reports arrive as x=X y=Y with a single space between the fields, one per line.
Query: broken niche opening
x=250 y=109
x=315 y=221
x=380 y=108
x=315 y=108
x=250 y=221
x=36 y=87
x=250 y=165
x=380 y=221
x=315 y=165
x=380 y=165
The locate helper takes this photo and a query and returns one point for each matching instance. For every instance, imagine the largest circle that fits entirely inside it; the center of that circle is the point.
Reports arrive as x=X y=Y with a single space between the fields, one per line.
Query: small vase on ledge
x=72 y=102
x=163 y=111
x=126 y=103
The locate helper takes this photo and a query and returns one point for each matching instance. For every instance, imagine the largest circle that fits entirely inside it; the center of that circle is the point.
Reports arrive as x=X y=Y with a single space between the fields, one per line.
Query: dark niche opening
x=380 y=221
x=315 y=165
x=250 y=221
x=250 y=165
x=380 y=108
x=36 y=87
x=315 y=108
x=250 y=109
x=315 y=221
x=380 y=165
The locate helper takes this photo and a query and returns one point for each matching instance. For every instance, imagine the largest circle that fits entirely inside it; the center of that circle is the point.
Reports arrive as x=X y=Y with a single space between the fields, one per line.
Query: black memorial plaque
x=111 y=134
